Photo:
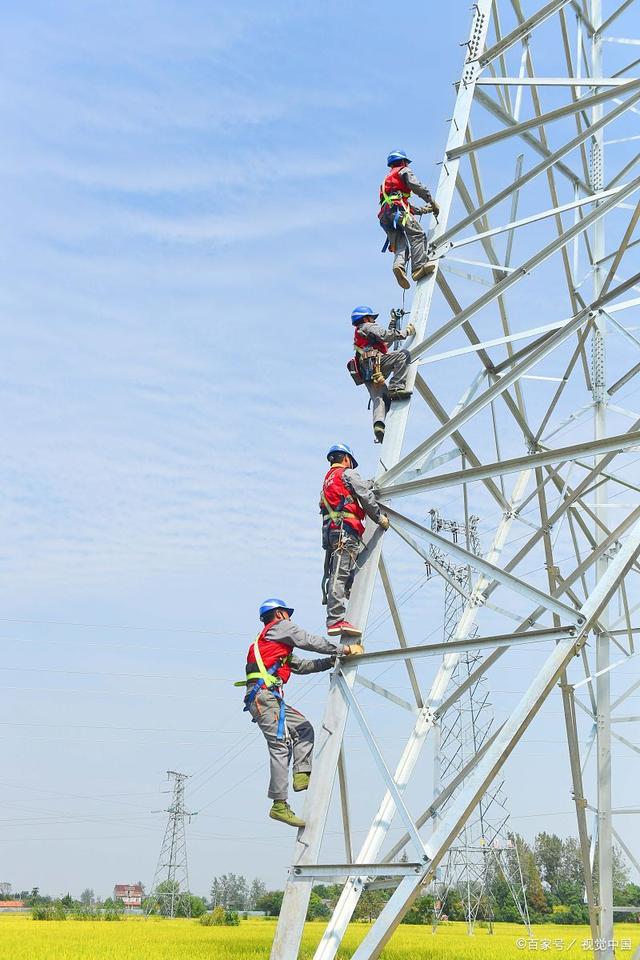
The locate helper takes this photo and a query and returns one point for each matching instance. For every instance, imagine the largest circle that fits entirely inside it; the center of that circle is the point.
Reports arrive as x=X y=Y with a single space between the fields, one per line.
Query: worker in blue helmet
x=270 y=662
x=397 y=216
x=373 y=362
x=346 y=500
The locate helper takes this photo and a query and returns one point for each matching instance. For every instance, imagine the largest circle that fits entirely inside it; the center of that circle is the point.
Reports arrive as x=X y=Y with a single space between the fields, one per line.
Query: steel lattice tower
x=484 y=844
x=171 y=882
x=521 y=363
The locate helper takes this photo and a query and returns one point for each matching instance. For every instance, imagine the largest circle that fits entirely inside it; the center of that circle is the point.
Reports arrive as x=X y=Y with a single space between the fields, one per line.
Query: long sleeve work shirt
x=415 y=185
x=285 y=631
x=363 y=490
x=375 y=331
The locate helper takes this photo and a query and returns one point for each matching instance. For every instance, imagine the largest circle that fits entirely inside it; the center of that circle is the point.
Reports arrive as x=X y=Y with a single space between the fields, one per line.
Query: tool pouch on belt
x=368 y=362
x=377 y=375
x=354 y=371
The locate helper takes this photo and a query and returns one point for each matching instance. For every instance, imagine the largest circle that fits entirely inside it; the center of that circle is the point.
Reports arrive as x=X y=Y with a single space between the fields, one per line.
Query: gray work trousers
x=298 y=742
x=394 y=363
x=345 y=546
x=409 y=240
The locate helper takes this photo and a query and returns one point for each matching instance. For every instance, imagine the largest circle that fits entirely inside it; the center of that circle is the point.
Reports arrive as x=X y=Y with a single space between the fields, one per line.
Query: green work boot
x=283 y=812
x=301 y=781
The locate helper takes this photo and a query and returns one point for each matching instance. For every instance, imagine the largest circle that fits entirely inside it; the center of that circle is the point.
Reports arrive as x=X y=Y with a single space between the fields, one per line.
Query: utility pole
x=171 y=882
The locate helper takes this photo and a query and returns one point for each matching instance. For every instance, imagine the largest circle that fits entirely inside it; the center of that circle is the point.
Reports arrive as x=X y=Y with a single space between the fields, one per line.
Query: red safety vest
x=271 y=651
x=361 y=341
x=393 y=191
x=338 y=502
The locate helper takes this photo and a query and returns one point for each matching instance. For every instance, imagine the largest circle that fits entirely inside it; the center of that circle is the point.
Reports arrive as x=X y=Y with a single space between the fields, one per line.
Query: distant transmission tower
x=484 y=847
x=171 y=882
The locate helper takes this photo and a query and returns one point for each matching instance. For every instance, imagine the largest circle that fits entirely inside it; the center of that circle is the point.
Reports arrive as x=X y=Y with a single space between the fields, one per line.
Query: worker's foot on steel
x=400 y=394
x=343 y=628
x=424 y=271
x=401 y=277
x=378 y=431
x=301 y=781
x=282 y=811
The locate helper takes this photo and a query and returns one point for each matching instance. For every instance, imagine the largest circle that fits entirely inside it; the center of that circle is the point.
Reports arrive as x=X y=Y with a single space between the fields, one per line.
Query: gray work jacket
x=287 y=632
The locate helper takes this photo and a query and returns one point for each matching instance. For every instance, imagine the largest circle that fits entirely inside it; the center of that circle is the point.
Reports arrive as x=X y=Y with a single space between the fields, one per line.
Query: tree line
x=551 y=870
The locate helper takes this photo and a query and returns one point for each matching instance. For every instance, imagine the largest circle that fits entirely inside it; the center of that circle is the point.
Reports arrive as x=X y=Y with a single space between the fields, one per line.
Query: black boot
x=378 y=431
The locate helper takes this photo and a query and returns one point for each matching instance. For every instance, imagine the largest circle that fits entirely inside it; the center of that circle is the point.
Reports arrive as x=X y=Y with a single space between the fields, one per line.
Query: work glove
x=377 y=377
x=354 y=650
x=435 y=209
x=410 y=331
x=383 y=521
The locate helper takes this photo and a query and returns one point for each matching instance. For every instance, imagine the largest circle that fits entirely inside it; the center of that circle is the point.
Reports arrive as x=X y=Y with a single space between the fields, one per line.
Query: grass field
x=134 y=939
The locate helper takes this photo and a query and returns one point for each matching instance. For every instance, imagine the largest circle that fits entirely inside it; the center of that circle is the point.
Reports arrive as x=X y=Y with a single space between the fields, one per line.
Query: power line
x=122 y=626
x=100 y=673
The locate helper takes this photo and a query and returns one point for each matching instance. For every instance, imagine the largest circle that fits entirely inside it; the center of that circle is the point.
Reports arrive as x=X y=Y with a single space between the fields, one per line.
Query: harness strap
x=393 y=198
x=337 y=516
x=400 y=200
x=282 y=710
x=267 y=676
x=266 y=679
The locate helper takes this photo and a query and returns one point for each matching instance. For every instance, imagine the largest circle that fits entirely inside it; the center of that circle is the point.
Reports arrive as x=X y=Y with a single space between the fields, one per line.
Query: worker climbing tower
x=522 y=361
x=485 y=847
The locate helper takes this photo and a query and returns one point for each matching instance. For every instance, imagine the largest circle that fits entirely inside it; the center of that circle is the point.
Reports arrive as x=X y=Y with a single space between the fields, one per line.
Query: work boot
x=401 y=277
x=424 y=271
x=378 y=431
x=301 y=781
x=283 y=812
x=399 y=393
x=345 y=628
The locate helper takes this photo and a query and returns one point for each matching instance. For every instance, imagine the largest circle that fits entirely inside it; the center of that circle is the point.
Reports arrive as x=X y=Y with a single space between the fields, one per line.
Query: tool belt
x=367 y=363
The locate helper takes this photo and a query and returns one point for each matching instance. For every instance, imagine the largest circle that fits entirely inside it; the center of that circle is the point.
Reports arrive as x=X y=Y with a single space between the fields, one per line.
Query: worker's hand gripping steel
x=354 y=650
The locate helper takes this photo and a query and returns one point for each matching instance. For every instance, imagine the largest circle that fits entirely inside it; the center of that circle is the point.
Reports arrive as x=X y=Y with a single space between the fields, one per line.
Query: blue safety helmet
x=359 y=313
x=273 y=603
x=342 y=448
x=396 y=155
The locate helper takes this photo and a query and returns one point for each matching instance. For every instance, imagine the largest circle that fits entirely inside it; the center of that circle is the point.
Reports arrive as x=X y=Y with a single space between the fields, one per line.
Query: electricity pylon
x=526 y=309
x=170 y=894
x=484 y=846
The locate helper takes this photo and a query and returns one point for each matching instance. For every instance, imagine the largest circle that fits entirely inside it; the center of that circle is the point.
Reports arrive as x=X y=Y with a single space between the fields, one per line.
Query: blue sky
x=189 y=195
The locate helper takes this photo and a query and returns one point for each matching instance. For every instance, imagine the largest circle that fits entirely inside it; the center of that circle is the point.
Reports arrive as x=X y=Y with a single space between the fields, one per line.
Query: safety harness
x=397 y=204
x=394 y=204
x=336 y=516
x=267 y=680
